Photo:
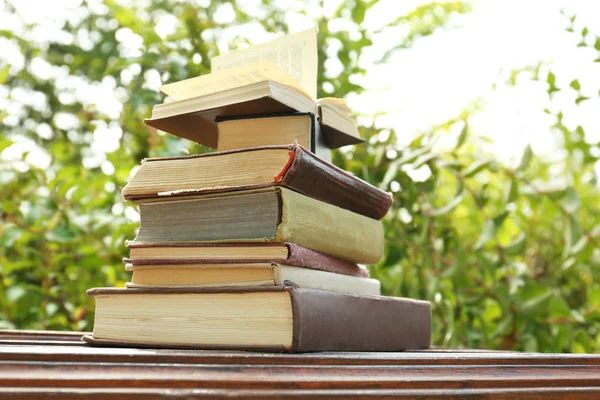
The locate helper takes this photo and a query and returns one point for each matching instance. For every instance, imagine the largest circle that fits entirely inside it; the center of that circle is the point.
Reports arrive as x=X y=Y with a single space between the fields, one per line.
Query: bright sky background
x=418 y=88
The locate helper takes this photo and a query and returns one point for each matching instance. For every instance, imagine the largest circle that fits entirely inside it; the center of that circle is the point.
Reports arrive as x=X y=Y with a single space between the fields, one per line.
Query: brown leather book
x=240 y=253
x=284 y=318
x=289 y=166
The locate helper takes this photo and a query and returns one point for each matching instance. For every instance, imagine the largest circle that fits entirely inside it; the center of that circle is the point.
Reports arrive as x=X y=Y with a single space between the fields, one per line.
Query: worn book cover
x=289 y=166
x=285 y=318
x=240 y=253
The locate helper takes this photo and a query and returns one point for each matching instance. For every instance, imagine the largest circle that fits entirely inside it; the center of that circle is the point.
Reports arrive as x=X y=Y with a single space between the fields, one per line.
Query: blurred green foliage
x=508 y=254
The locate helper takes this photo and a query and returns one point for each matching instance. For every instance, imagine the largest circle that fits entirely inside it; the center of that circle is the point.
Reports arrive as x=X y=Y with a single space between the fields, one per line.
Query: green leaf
x=511 y=191
x=486 y=234
x=6 y=324
x=551 y=79
x=558 y=307
x=529 y=343
x=452 y=164
x=579 y=245
x=4 y=74
x=15 y=293
x=504 y=326
x=580 y=99
x=525 y=159
x=554 y=190
x=61 y=234
x=533 y=305
x=575 y=84
x=597 y=44
x=409 y=155
x=451 y=205
x=462 y=137
x=517 y=245
x=500 y=218
x=573 y=233
x=358 y=12
x=476 y=167
x=571 y=202
x=10 y=235
x=425 y=158
x=389 y=176
x=581 y=342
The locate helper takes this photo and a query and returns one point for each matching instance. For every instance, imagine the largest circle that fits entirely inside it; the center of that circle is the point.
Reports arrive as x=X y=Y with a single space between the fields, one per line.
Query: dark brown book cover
x=326 y=321
x=298 y=256
x=307 y=174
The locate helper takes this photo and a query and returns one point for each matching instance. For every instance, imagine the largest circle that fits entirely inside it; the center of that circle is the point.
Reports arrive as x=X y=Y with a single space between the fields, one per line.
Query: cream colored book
x=247 y=274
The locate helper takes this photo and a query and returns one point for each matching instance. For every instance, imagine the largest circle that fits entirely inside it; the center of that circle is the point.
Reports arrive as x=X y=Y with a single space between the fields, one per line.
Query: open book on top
x=272 y=78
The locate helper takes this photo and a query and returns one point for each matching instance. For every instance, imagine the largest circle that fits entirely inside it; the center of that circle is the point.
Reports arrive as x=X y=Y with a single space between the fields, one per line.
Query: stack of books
x=259 y=245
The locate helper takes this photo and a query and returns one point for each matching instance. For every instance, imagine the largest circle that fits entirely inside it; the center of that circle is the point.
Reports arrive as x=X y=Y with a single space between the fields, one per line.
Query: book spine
x=315 y=178
x=330 y=321
x=302 y=257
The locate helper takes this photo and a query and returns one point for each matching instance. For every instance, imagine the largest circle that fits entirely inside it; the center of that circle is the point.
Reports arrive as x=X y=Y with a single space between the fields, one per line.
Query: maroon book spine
x=298 y=256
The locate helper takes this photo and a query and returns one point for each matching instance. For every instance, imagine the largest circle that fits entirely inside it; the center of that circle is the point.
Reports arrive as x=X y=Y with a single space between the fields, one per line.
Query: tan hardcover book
x=267 y=215
x=244 y=132
x=275 y=318
x=272 y=129
x=246 y=274
x=290 y=166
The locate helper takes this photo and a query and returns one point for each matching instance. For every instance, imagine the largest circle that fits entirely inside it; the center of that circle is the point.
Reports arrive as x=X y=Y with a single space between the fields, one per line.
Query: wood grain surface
x=57 y=364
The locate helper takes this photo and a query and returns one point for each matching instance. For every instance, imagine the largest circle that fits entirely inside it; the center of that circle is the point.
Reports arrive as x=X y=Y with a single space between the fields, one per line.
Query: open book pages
x=340 y=106
x=295 y=54
x=232 y=78
x=272 y=78
x=335 y=112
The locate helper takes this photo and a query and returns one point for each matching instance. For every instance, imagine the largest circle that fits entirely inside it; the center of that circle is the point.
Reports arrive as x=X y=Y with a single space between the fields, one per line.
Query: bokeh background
x=481 y=117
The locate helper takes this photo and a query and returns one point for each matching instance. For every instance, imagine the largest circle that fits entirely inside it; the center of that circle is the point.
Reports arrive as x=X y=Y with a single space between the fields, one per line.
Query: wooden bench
x=36 y=364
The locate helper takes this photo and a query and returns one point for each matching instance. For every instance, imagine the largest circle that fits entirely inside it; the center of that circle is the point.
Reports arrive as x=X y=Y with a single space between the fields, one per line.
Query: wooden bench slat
x=80 y=374
x=78 y=351
x=567 y=393
x=40 y=364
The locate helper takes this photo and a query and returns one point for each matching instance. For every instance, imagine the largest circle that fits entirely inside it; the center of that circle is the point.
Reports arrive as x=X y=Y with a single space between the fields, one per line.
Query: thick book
x=289 y=166
x=271 y=214
x=195 y=118
x=240 y=253
x=246 y=131
x=284 y=318
x=246 y=274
